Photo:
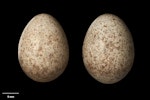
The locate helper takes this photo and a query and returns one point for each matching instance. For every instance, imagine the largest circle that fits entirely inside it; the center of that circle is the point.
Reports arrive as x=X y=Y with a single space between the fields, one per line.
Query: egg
x=108 y=49
x=43 y=51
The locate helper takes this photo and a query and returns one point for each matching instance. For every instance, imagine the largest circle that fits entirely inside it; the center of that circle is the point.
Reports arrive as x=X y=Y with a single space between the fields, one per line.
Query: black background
x=75 y=18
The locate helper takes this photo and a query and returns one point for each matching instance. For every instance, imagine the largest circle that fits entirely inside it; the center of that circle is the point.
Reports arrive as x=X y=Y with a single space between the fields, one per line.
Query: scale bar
x=10 y=92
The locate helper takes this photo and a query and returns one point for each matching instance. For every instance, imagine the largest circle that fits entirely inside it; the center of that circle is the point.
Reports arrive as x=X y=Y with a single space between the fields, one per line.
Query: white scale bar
x=10 y=92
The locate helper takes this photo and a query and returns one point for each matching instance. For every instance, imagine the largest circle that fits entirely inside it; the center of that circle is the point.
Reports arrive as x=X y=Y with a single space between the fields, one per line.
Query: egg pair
x=108 y=50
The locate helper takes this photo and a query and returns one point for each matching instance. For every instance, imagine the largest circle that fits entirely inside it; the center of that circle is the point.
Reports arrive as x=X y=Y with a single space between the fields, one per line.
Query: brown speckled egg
x=108 y=49
x=43 y=50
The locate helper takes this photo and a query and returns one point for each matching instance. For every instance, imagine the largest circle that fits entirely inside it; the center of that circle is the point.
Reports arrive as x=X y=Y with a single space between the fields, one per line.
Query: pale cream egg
x=43 y=50
x=108 y=49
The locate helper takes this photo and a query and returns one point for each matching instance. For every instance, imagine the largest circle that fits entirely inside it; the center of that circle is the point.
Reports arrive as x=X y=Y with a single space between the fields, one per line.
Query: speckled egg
x=108 y=49
x=43 y=50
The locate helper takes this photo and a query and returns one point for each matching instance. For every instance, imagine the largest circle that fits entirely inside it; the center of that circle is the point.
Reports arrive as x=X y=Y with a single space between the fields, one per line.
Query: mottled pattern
x=43 y=50
x=108 y=50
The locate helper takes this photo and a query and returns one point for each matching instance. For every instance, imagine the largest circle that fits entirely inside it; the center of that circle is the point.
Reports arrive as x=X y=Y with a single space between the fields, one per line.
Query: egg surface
x=43 y=50
x=108 y=49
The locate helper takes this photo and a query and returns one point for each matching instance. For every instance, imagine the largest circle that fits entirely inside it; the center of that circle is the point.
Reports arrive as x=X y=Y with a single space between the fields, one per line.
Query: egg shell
x=43 y=50
x=108 y=49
